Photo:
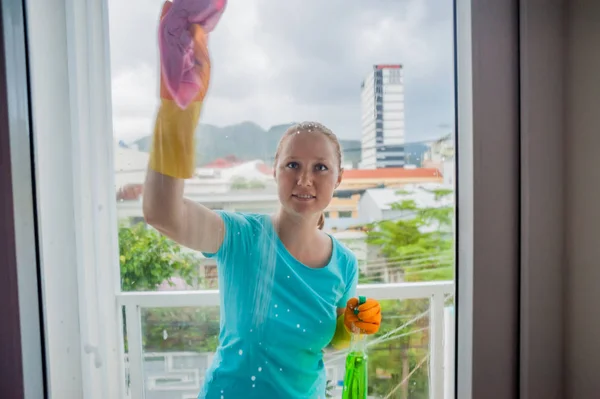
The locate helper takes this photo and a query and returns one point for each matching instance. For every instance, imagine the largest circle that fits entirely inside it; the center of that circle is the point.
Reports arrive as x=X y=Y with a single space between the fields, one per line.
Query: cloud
x=278 y=61
x=134 y=101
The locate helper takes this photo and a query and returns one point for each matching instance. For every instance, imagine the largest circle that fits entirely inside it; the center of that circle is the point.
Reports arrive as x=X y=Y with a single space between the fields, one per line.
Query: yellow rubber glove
x=341 y=337
x=173 y=143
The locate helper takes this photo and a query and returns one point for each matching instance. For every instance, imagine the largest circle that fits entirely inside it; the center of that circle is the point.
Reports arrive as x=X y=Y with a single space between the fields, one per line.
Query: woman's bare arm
x=186 y=222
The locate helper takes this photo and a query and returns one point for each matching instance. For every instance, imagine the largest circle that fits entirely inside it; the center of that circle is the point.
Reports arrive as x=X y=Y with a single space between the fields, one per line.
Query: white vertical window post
x=449 y=355
x=436 y=346
x=135 y=351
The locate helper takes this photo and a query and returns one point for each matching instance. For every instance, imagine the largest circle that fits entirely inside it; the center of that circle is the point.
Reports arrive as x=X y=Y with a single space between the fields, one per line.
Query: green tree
x=420 y=245
x=241 y=183
x=391 y=360
x=149 y=259
x=421 y=242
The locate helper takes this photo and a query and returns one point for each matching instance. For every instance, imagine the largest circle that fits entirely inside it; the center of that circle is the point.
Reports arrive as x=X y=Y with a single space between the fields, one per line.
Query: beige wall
x=582 y=200
x=343 y=204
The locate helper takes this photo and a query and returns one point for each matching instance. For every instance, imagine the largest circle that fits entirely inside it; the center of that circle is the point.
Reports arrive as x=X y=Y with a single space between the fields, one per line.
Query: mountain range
x=247 y=141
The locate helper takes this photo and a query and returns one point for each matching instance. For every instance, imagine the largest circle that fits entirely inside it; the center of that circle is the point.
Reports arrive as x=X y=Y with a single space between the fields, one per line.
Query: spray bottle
x=356 y=378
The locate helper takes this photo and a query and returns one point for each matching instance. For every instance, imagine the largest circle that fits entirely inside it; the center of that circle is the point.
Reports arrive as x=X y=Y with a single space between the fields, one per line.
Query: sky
x=281 y=61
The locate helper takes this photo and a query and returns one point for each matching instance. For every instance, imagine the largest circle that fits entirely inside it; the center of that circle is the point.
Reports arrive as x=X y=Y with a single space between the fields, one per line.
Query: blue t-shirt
x=277 y=314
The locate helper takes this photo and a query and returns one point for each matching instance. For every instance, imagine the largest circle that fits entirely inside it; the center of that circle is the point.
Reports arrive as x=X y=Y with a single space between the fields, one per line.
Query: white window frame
x=69 y=58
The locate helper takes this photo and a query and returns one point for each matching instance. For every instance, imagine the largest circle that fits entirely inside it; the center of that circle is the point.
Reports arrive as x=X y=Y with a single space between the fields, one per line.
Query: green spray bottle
x=356 y=377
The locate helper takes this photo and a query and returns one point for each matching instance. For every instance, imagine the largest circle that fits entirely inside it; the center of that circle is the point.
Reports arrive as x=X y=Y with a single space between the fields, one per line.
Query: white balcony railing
x=441 y=345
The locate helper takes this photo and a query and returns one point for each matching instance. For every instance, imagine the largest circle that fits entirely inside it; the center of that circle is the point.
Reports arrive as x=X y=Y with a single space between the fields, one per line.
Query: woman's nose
x=305 y=179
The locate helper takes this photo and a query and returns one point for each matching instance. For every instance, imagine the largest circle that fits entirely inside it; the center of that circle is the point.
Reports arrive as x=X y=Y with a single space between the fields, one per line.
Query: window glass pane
x=381 y=77
x=179 y=346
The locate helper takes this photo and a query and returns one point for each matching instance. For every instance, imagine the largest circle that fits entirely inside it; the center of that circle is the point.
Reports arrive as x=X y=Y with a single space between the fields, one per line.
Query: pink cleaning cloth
x=176 y=44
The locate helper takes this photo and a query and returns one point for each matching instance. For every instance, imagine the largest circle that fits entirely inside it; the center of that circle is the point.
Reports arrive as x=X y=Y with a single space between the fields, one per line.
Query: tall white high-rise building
x=382 y=105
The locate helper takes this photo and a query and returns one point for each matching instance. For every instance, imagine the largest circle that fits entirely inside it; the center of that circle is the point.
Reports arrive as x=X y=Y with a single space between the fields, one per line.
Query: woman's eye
x=321 y=167
x=292 y=165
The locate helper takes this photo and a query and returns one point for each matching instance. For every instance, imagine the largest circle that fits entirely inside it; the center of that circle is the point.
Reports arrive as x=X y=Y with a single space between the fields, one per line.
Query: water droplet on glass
x=259 y=369
x=297 y=325
x=253 y=378
x=276 y=315
x=280 y=369
x=288 y=310
x=276 y=305
x=165 y=335
x=304 y=330
x=253 y=385
x=241 y=352
x=288 y=276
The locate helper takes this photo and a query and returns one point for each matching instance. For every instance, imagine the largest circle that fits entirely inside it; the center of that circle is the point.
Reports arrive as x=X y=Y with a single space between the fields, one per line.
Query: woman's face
x=307 y=173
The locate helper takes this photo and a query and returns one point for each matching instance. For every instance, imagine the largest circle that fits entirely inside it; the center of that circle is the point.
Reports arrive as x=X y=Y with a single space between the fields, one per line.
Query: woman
x=287 y=288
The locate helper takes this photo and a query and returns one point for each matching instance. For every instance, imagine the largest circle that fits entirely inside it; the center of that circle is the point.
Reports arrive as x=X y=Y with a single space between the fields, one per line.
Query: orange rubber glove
x=362 y=314
x=173 y=144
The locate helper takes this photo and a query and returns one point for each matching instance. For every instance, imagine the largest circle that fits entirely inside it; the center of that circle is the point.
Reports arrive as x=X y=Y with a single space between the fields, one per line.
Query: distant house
x=376 y=204
x=441 y=156
x=342 y=212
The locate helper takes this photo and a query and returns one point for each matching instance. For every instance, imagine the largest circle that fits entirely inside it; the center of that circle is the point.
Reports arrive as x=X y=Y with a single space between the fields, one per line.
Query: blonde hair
x=317 y=128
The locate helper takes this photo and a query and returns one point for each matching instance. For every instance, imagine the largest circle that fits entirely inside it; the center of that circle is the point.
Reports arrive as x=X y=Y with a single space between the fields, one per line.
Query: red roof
x=266 y=169
x=221 y=163
x=392 y=173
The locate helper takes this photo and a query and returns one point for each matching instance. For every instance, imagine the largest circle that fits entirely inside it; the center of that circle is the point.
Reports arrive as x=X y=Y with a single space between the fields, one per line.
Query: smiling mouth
x=304 y=197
